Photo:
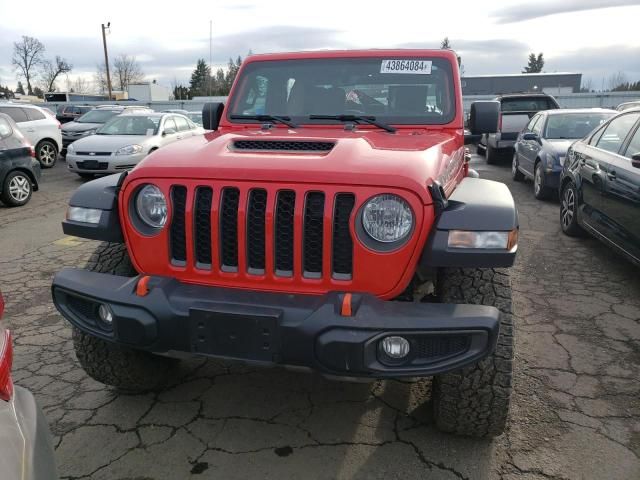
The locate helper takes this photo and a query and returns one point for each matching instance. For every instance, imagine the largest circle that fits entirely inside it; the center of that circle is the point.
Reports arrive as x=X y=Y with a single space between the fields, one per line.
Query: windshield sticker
x=419 y=67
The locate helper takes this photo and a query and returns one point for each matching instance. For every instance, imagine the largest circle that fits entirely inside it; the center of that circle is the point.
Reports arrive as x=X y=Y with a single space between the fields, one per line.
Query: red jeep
x=329 y=222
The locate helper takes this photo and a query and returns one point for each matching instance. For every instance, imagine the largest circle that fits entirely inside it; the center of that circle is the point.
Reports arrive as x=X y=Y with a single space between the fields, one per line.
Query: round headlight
x=152 y=206
x=387 y=218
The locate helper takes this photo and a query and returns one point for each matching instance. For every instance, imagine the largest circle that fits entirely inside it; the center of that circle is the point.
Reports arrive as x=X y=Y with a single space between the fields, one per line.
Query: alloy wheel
x=514 y=165
x=567 y=209
x=19 y=188
x=47 y=154
x=537 y=180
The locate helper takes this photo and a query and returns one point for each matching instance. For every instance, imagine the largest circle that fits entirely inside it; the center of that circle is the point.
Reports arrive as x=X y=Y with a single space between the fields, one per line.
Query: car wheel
x=17 y=189
x=47 y=154
x=516 y=174
x=480 y=149
x=474 y=400
x=569 y=210
x=539 y=190
x=492 y=155
x=122 y=367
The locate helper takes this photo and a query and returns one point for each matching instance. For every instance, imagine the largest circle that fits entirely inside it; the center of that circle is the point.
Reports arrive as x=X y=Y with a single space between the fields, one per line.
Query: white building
x=148 y=92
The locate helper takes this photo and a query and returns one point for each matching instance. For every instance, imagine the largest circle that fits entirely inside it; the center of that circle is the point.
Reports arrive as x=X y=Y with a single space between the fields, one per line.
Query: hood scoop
x=282 y=146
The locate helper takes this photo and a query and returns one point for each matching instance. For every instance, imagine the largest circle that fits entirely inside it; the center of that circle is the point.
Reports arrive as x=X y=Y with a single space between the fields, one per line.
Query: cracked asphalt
x=575 y=410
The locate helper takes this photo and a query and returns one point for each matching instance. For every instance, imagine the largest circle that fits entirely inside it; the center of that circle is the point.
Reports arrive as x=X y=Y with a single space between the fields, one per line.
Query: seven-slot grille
x=216 y=216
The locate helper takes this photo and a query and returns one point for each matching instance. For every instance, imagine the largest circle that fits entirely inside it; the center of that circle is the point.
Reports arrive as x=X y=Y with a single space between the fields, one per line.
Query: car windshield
x=196 y=118
x=573 y=125
x=410 y=91
x=97 y=116
x=131 y=125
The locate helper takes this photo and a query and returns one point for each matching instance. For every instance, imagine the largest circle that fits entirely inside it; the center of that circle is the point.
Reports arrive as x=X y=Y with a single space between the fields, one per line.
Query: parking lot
x=575 y=411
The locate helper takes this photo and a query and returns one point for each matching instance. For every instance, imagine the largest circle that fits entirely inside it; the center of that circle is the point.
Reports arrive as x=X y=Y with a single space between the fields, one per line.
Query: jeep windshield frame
x=356 y=86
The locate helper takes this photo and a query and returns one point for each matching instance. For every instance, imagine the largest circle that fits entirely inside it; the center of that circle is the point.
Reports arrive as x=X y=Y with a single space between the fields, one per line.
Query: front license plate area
x=90 y=164
x=251 y=336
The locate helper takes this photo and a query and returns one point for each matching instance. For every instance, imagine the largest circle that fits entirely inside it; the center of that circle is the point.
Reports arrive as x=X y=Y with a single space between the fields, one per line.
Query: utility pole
x=106 y=56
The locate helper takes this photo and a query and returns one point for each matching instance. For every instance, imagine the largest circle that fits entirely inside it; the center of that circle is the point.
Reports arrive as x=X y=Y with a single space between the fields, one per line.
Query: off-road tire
x=492 y=155
x=125 y=368
x=474 y=401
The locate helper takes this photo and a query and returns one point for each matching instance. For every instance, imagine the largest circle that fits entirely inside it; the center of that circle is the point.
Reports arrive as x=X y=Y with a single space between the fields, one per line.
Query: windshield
x=131 y=125
x=573 y=125
x=525 y=104
x=399 y=91
x=196 y=118
x=97 y=116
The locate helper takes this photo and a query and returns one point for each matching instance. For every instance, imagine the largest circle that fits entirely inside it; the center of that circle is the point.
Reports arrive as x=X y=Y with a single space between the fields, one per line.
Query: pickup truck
x=328 y=221
x=515 y=112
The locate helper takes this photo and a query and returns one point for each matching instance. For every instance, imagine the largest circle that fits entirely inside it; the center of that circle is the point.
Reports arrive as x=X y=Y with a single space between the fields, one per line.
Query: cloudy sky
x=593 y=37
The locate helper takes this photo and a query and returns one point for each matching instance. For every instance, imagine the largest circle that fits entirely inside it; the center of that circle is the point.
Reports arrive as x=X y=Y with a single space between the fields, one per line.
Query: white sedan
x=122 y=142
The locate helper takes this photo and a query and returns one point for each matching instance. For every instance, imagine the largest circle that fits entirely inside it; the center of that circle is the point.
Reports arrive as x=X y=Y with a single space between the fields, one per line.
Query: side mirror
x=483 y=117
x=211 y=115
x=530 y=136
x=168 y=131
x=635 y=160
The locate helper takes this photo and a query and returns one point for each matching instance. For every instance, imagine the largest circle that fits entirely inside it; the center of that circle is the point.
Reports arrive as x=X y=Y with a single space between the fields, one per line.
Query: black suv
x=19 y=169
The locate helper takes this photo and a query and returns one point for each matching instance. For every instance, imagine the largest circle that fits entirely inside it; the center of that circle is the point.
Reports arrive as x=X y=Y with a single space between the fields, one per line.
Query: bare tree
x=100 y=78
x=52 y=70
x=79 y=85
x=587 y=85
x=27 y=55
x=126 y=70
x=616 y=80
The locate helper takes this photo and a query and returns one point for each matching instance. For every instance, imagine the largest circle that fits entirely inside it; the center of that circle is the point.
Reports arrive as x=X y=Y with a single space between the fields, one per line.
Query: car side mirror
x=635 y=160
x=211 y=115
x=483 y=117
x=530 y=136
x=168 y=131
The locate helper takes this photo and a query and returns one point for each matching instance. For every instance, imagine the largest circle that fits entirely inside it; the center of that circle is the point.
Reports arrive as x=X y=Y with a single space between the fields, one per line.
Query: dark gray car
x=19 y=169
x=541 y=148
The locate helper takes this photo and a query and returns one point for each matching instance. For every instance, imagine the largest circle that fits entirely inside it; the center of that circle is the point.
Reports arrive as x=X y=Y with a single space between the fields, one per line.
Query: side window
x=181 y=123
x=34 y=114
x=532 y=122
x=169 y=123
x=596 y=136
x=615 y=133
x=17 y=114
x=537 y=128
x=634 y=144
x=5 y=128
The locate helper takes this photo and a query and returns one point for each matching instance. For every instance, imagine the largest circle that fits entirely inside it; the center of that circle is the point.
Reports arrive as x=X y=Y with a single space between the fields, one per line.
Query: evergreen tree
x=535 y=64
x=20 y=89
x=199 y=79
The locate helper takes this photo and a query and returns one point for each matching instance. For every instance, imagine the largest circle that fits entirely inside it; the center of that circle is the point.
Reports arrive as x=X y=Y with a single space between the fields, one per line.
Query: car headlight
x=90 y=132
x=129 y=150
x=70 y=147
x=84 y=215
x=151 y=206
x=387 y=218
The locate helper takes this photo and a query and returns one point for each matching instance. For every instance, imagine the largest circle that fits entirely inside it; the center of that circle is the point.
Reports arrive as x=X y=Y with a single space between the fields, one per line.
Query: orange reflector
x=346 y=311
x=513 y=239
x=143 y=286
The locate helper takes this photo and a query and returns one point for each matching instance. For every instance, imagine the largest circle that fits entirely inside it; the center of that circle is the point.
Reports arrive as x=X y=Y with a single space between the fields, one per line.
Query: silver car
x=26 y=451
x=122 y=142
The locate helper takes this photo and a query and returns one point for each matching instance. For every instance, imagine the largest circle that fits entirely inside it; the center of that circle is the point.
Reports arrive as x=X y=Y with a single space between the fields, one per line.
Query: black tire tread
x=474 y=401
x=125 y=368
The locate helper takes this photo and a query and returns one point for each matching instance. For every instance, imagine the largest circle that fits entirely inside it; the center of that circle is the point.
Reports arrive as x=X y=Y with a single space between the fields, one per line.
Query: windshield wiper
x=266 y=118
x=356 y=119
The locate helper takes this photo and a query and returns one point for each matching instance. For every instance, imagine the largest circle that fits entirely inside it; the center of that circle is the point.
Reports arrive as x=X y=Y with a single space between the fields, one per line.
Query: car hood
x=108 y=143
x=559 y=147
x=409 y=159
x=79 y=127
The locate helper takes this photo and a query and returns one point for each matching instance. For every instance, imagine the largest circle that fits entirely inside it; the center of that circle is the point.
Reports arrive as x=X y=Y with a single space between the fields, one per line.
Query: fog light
x=105 y=314
x=395 y=347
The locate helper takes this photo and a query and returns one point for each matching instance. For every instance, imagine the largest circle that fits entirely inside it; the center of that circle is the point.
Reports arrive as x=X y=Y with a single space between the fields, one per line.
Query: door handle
x=611 y=175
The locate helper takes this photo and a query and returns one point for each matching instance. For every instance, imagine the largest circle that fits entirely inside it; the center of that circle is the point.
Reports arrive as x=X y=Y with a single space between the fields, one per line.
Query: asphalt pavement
x=575 y=411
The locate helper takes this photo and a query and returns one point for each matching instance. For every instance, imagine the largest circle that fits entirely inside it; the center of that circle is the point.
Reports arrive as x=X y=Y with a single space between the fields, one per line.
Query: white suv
x=40 y=128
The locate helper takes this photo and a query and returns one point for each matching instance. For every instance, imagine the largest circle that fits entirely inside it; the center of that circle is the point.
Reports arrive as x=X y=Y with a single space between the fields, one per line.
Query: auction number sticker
x=420 y=67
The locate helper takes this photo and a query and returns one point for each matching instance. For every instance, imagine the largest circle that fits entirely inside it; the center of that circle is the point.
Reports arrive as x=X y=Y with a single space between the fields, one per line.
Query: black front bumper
x=294 y=330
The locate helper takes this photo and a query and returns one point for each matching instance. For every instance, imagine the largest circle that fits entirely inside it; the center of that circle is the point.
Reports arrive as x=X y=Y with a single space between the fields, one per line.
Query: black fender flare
x=475 y=205
x=100 y=194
